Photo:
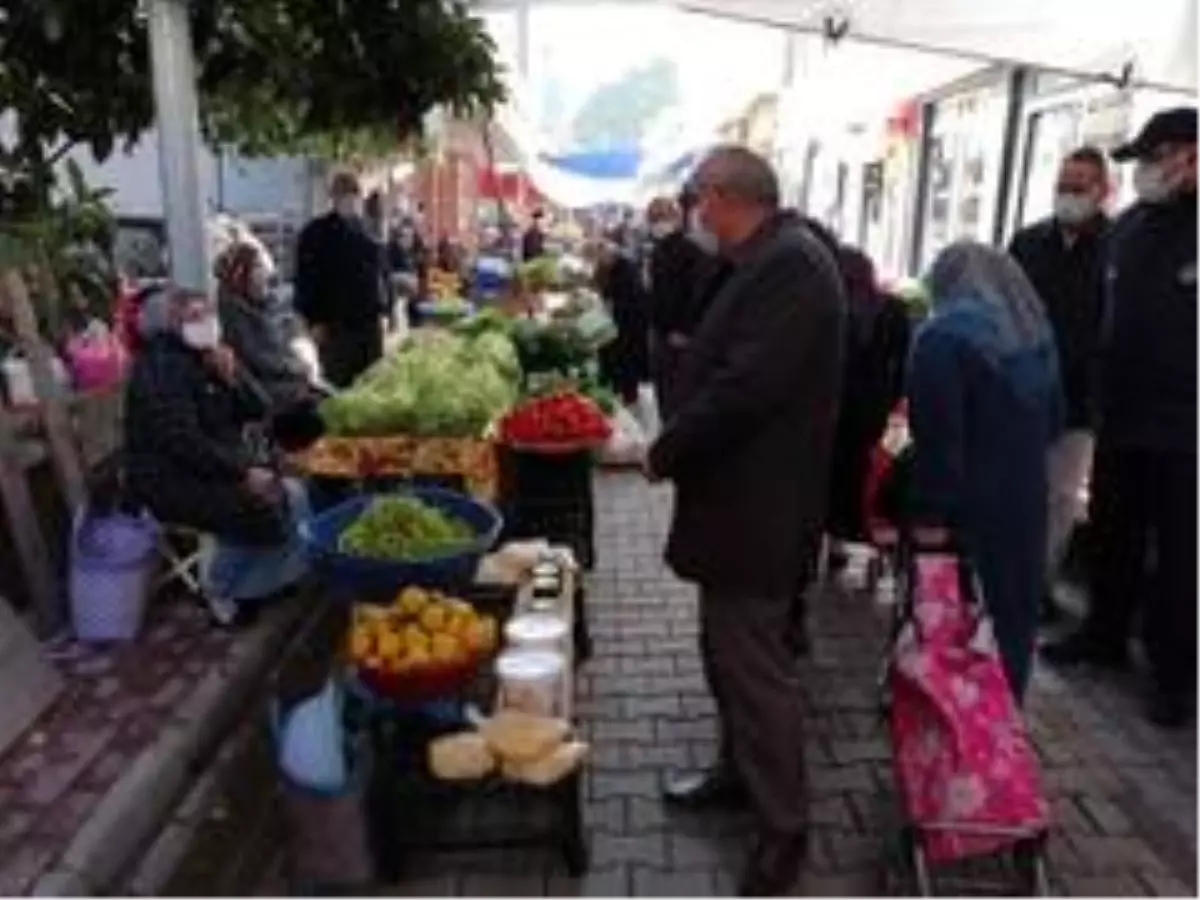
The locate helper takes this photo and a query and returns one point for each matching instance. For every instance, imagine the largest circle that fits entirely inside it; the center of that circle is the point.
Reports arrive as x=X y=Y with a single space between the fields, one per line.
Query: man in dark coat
x=340 y=286
x=676 y=267
x=624 y=363
x=533 y=242
x=748 y=448
x=1143 y=501
x=1063 y=255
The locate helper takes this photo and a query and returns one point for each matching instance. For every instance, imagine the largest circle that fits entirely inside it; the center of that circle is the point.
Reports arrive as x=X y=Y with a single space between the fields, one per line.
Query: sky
x=581 y=46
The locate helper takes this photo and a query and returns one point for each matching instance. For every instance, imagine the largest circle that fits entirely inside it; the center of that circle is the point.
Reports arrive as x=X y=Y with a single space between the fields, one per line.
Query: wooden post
x=36 y=565
x=48 y=391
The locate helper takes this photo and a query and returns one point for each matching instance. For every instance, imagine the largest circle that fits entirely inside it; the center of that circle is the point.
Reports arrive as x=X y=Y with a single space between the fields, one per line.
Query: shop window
x=965 y=155
x=1053 y=133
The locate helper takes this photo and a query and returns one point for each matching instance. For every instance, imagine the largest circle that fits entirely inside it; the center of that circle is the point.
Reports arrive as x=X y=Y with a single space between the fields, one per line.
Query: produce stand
x=411 y=813
x=473 y=461
x=408 y=809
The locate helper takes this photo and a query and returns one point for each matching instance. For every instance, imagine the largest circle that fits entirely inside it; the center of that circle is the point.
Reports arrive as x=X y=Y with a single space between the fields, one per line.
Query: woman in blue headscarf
x=984 y=405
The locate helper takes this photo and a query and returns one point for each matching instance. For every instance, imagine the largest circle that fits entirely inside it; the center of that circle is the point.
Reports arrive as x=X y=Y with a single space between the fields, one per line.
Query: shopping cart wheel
x=903 y=874
x=1029 y=857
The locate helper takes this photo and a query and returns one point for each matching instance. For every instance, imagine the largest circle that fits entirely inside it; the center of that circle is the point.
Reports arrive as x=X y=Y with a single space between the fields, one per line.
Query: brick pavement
x=115 y=699
x=1123 y=793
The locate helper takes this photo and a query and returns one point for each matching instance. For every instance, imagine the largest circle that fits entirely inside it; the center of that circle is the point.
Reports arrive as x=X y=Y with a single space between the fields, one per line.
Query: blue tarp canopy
x=615 y=164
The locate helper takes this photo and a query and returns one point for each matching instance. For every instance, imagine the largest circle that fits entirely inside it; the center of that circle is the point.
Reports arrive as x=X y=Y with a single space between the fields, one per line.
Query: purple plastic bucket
x=112 y=562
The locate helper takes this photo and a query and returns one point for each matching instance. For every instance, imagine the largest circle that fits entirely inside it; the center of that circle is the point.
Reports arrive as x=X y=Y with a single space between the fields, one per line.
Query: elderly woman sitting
x=255 y=325
x=188 y=461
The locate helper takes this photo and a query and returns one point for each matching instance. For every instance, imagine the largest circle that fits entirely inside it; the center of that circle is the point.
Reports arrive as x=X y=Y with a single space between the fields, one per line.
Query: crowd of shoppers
x=777 y=361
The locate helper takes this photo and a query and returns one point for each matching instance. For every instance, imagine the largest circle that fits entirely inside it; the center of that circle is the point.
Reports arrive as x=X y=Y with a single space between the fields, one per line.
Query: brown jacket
x=748 y=446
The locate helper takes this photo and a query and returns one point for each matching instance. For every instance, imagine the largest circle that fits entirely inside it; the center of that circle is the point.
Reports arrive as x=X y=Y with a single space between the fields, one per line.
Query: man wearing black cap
x=1143 y=507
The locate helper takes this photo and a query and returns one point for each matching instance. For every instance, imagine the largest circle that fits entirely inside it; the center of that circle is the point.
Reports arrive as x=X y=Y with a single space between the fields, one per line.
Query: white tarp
x=1091 y=37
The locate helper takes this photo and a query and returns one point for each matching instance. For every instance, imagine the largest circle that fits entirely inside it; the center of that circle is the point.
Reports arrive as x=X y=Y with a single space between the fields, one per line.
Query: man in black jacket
x=1063 y=256
x=1143 y=511
x=340 y=289
x=675 y=272
x=748 y=448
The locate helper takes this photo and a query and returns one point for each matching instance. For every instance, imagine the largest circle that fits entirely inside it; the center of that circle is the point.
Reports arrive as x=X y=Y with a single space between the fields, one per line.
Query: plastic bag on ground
x=627 y=446
x=312 y=742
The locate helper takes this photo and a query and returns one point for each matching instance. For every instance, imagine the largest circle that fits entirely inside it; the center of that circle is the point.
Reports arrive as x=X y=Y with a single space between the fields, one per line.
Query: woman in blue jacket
x=984 y=404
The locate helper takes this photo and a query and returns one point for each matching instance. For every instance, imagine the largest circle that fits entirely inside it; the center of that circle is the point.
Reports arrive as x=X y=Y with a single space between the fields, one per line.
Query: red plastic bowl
x=434 y=682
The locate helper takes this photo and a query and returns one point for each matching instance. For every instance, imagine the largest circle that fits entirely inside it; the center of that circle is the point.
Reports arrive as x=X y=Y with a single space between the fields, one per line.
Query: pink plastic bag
x=96 y=358
x=962 y=755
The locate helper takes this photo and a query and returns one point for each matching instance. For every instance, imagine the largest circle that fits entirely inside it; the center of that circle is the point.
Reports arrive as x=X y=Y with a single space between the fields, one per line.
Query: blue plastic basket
x=357 y=573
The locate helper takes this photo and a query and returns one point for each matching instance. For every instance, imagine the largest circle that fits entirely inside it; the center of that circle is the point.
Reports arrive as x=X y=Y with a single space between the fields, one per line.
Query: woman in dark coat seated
x=257 y=327
x=188 y=461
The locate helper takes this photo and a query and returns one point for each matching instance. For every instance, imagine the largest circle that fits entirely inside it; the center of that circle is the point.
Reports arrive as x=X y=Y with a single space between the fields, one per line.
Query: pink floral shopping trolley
x=966 y=775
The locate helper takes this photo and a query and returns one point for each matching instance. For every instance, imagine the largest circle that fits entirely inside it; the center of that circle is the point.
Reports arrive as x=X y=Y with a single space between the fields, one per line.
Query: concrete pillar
x=180 y=147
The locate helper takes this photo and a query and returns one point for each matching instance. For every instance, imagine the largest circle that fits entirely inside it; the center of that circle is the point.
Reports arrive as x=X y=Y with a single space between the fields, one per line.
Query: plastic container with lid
x=536 y=631
x=531 y=681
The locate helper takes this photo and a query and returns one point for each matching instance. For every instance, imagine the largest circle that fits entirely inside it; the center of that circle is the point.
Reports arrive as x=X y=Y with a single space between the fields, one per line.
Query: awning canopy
x=1122 y=42
x=598 y=164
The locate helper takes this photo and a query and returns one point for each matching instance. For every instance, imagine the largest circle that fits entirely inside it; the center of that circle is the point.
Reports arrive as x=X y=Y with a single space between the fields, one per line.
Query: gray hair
x=740 y=173
x=975 y=272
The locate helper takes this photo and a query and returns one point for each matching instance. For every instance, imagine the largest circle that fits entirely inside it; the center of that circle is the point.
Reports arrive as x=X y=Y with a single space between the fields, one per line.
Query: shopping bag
x=627 y=444
x=965 y=767
x=312 y=742
x=96 y=357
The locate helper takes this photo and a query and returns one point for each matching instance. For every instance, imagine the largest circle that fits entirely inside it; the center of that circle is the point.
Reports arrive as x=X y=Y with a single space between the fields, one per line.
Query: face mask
x=202 y=334
x=346 y=207
x=702 y=237
x=1074 y=209
x=660 y=230
x=1151 y=184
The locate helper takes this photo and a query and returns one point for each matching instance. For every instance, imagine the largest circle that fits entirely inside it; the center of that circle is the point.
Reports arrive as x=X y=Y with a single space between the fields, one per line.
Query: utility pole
x=179 y=143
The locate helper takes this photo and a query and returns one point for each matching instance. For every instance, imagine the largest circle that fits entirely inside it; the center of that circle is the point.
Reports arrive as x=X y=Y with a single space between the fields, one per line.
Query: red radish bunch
x=561 y=418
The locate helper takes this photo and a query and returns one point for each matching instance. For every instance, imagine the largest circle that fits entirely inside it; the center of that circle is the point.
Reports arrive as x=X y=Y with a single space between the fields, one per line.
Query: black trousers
x=347 y=351
x=1143 y=529
x=754 y=680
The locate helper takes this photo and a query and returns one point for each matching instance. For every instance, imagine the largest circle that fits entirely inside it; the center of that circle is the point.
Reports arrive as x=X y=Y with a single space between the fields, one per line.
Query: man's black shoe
x=717 y=787
x=1169 y=710
x=1079 y=648
x=774 y=866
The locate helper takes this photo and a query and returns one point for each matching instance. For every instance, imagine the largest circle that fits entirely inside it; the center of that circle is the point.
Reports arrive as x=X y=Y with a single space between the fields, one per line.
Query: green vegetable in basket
x=404 y=528
x=438 y=385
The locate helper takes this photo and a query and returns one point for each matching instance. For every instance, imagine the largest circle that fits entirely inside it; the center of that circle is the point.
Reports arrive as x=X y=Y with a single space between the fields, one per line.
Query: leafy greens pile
x=437 y=385
x=404 y=528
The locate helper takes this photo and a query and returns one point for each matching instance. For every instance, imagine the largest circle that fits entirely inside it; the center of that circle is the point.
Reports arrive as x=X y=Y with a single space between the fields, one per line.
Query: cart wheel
x=896 y=876
x=924 y=885
x=575 y=855
x=1029 y=857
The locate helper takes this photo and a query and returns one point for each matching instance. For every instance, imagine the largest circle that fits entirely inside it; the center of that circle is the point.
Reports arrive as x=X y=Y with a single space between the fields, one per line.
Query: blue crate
x=357 y=573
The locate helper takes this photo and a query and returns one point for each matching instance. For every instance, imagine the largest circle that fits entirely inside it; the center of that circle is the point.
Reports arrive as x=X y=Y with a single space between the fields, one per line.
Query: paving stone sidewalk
x=115 y=699
x=1123 y=793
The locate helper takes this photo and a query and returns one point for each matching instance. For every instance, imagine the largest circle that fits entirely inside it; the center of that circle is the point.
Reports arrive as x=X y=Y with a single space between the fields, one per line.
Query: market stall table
x=411 y=813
